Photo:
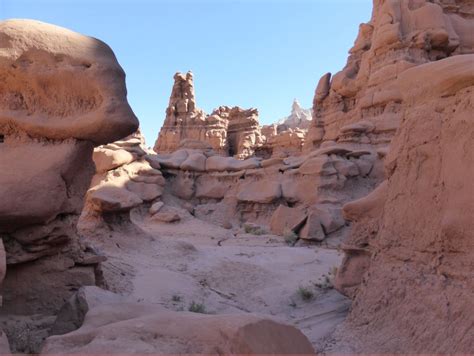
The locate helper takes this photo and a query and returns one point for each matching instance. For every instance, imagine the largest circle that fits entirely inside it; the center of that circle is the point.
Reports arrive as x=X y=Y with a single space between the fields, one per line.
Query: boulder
x=329 y=216
x=194 y=162
x=110 y=198
x=345 y=167
x=112 y=328
x=286 y=219
x=167 y=215
x=106 y=160
x=145 y=191
x=71 y=315
x=313 y=229
x=321 y=165
x=156 y=207
x=173 y=160
x=263 y=192
x=90 y=98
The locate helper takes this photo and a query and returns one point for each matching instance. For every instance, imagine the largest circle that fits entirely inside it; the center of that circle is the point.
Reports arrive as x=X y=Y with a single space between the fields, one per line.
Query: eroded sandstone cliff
x=410 y=256
x=61 y=94
x=228 y=131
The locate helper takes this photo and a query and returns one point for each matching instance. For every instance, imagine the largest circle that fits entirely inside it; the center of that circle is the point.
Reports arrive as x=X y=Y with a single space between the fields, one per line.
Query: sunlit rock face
x=408 y=262
x=62 y=93
x=298 y=119
x=228 y=131
x=407 y=92
x=401 y=34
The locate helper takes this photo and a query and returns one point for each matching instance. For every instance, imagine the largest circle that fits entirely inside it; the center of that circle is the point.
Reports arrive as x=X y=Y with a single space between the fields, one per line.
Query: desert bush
x=290 y=237
x=305 y=293
x=197 y=307
x=254 y=229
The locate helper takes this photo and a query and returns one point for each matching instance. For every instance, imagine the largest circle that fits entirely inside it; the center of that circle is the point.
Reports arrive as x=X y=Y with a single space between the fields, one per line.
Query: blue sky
x=251 y=53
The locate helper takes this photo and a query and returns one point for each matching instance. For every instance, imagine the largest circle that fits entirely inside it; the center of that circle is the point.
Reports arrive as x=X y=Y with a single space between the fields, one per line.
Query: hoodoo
x=341 y=229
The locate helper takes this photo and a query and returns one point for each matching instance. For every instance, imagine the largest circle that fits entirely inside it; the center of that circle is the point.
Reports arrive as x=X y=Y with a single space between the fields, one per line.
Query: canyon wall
x=401 y=34
x=61 y=94
x=411 y=250
x=409 y=257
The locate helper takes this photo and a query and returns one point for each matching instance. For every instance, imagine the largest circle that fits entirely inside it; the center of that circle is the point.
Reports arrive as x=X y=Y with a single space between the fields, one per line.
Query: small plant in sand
x=197 y=307
x=327 y=281
x=305 y=293
x=290 y=237
x=254 y=229
x=176 y=298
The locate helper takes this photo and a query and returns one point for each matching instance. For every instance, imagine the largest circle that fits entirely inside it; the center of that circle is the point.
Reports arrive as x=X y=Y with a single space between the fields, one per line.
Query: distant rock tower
x=228 y=130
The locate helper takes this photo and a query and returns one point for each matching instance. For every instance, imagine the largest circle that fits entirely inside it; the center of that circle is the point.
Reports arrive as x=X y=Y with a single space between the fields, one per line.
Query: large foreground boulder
x=62 y=93
x=135 y=329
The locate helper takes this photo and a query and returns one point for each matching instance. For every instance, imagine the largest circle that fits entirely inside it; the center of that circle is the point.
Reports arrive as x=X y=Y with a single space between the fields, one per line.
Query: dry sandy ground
x=226 y=271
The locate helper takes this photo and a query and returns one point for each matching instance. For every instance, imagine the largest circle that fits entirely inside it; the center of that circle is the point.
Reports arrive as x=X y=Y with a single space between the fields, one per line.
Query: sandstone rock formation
x=401 y=34
x=232 y=192
x=124 y=180
x=299 y=118
x=409 y=260
x=61 y=94
x=289 y=142
x=228 y=131
x=384 y=173
x=165 y=332
x=243 y=130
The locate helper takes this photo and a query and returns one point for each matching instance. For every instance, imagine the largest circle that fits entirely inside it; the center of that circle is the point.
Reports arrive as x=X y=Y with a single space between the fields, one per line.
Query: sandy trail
x=226 y=272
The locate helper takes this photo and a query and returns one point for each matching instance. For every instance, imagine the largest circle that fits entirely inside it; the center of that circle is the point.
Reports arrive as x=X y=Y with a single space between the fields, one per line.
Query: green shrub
x=176 y=298
x=254 y=229
x=290 y=237
x=305 y=293
x=197 y=308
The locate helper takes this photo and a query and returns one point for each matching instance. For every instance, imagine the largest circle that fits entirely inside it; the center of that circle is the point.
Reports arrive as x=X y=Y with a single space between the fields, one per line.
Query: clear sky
x=250 y=53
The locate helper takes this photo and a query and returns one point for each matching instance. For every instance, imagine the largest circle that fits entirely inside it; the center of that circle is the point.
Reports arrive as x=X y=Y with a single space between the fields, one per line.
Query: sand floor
x=226 y=271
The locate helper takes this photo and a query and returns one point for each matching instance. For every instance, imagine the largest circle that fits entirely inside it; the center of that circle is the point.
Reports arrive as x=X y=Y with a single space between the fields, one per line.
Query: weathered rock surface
x=112 y=328
x=228 y=131
x=401 y=34
x=62 y=93
x=299 y=118
x=122 y=187
x=409 y=262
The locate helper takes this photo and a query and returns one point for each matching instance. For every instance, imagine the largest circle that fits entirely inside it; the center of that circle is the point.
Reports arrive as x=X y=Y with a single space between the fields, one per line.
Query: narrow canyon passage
x=176 y=265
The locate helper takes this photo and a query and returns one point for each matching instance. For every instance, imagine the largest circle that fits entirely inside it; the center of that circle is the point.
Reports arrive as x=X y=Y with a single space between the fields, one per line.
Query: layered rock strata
x=409 y=259
x=228 y=131
x=362 y=103
x=124 y=180
x=61 y=94
x=299 y=118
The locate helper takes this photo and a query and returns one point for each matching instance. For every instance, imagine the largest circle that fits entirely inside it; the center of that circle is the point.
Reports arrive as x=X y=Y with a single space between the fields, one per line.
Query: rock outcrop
x=228 y=131
x=124 y=180
x=243 y=130
x=61 y=94
x=111 y=327
x=289 y=142
x=363 y=103
x=409 y=263
x=232 y=192
x=299 y=118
